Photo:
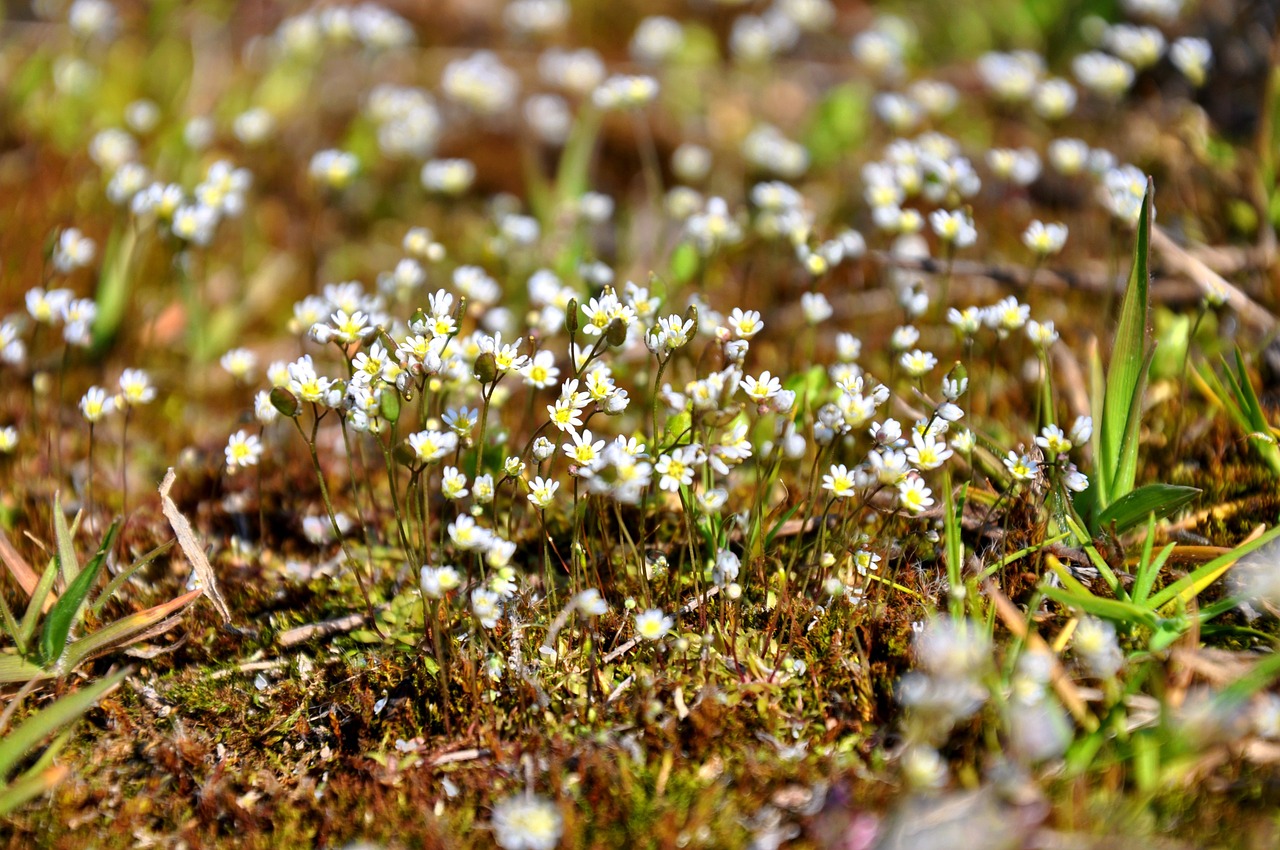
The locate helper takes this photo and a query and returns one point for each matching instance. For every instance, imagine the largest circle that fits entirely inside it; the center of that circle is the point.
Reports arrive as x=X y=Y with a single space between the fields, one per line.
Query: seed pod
x=571 y=316
x=285 y=402
x=691 y=314
x=389 y=404
x=405 y=455
x=486 y=368
x=616 y=333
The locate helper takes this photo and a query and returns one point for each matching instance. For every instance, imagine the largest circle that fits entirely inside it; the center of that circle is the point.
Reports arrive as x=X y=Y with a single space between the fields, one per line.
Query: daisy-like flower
x=464 y=532
x=1022 y=467
x=761 y=389
x=48 y=307
x=653 y=624
x=431 y=446
x=525 y=822
x=913 y=495
x=954 y=227
x=462 y=420
x=1045 y=239
x=487 y=606
x=453 y=484
x=135 y=388
x=917 y=363
x=1007 y=314
x=8 y=439
x=584 y=453
x=745 y=325
x=541 y=370
x=927 y=451
x=1081 y=430
x=243 y=449
x=239 y=363
x=438 y=581
x=1052 y=439
x=815 y=307
x=839 y=481
x=1041 y=334
x=74 y=250
x=676 y=468
x=96 y=404
x=542 y=491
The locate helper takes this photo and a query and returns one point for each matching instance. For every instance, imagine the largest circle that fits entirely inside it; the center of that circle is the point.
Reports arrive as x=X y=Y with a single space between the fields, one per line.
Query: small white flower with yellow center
x=1052 y=439
x=745 y=325
x=839 y=481
x=542 y=491
x=8 y=439
x=527 y=823
x=243 y=449
x=464 y=532
x=1045 y=239
x=676 y=468
x=431 y=446
x=953 y=227
x=928 y=452
x=1041 y=334
x=541 y=371
x=438 y=581
x=653 y=624
x=917 y=363
x=135 y=387
x=582 y=451
x=761 y=389
x=1022 y=467
x=453 y=484
x=239 y=363
x=96 y=404
x=913 y=495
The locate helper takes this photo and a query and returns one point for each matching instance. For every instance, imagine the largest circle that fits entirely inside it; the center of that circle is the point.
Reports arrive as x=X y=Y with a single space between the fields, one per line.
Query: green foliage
x=19 y=742
x=57 y=617
x=1234 y=393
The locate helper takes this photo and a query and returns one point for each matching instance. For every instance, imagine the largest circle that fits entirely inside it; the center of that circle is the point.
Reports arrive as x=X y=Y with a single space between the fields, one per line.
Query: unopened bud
x=486 y=368
x=616 y=333
x=571 y=317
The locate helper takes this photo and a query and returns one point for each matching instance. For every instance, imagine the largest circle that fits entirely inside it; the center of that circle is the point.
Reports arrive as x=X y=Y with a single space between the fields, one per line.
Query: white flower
x=453 y=484
x=542 y=491
x=816 y=307
x=676 y=468
x=1022 y=467
x=73 y=251
x=762 y=389
x=653 y=624
x=927 y=451
x=745 y=325
x=431 y=446
x=438 y=581
x=1045 y=239
x=487 y=607
x=464 y=532
x=1052 y=439
x=243 y=449
x=839 y=481
x=917 y=363
x=135 y=387
x=96 y=404
x=8 y=439
x=1081 y=430
x=527 y=823
x=913 y=495
x=239 y=363
x=1192 y=57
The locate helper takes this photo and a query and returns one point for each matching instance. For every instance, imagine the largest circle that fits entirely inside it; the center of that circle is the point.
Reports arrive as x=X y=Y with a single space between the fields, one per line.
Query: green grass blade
x=126 y=628
x=32 y=785
x=20 y=741
x=11 y=627
x=36 y=605
x=15 y=668
x=65 y=612
x=117 y=582
x=1123 y=398
x=67 y=560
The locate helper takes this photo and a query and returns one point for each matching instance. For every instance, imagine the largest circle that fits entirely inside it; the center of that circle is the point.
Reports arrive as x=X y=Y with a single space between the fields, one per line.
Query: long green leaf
x=65 y=612
x=1108 y=609
x=26 y=737
x=1123 y=400
x=36 y=605
x=67 y=561
x=1160 y=500
x=15 y=668
x=122 y=630
x=11 y=625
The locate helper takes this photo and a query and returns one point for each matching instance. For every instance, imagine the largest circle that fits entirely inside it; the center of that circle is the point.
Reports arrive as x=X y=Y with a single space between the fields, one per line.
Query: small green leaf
x=36 y=605
x=1191 y=585
x=1162 y=500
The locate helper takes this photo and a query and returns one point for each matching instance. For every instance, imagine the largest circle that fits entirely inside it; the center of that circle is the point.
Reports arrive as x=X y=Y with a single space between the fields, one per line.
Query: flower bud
x=616 y=333
x=571 y=317
x=389 y=405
